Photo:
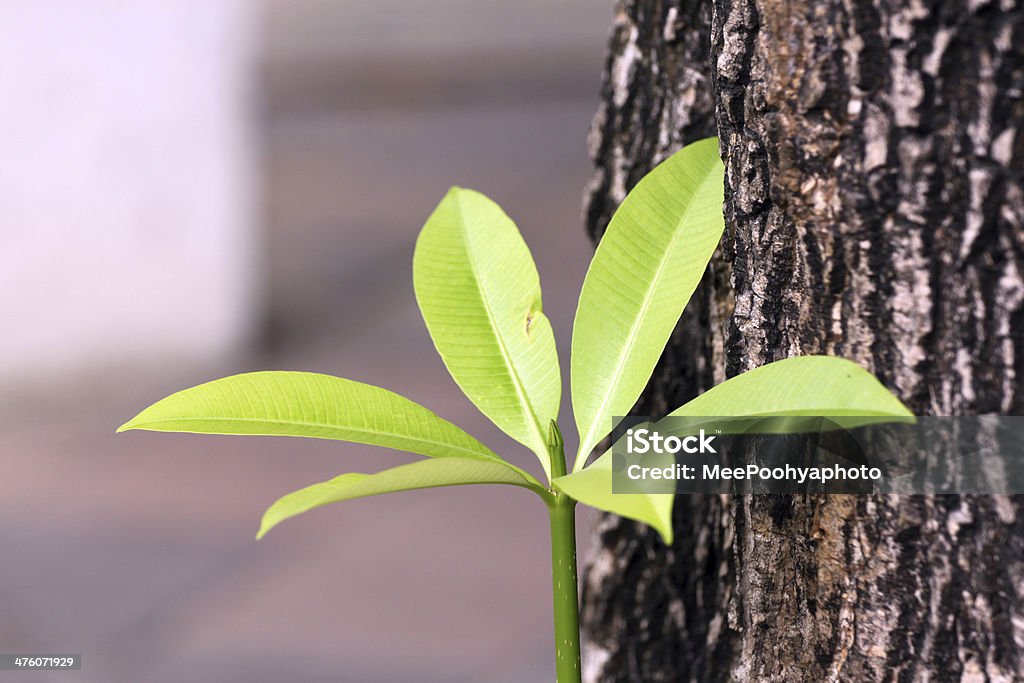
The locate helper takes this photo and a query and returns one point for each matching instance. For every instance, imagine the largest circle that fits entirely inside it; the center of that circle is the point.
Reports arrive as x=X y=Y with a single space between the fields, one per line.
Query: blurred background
x=195 y=188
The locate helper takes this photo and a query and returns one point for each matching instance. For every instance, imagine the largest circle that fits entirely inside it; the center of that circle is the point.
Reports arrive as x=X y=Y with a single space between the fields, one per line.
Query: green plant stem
x=564 y=587
x=562 y=512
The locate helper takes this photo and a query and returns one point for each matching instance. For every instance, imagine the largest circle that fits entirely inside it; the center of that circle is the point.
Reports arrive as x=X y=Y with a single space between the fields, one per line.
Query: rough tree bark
x=875 y=210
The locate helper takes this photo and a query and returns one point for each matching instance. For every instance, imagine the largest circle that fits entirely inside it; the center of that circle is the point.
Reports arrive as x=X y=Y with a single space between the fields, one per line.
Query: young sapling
x=478 y=290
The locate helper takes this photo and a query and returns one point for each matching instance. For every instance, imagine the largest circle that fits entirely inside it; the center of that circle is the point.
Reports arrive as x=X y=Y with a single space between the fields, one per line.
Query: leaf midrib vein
x=517 y=382
x=634 y=330
x=320 y=425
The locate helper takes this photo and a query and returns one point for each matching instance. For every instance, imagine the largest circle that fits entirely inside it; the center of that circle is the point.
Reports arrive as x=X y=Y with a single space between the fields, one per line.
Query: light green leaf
x=422 y=474
x=478 y=290
x=593 y=486
x=646 y=267
x=808 y=385
x=805 y=385
x=309 y=405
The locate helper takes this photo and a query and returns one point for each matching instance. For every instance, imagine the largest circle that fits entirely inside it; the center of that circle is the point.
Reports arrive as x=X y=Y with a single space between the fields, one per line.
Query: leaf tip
x=661 y=520
x=143 y=420
x=555 y=439
x=265 y=526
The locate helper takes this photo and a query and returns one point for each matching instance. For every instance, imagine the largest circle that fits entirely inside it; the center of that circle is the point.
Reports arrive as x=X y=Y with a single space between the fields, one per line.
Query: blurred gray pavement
x=137 y=550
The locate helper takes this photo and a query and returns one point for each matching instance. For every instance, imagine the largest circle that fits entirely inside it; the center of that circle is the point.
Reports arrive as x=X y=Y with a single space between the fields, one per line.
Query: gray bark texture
x=875 y=210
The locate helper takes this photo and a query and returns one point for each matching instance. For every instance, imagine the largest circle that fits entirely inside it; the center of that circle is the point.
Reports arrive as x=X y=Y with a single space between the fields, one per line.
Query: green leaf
x=805 y=385
x=309 y=405
x=646 y=267
x=418 y=475
x=478 y=290
x=808 y=385
x=593 y=486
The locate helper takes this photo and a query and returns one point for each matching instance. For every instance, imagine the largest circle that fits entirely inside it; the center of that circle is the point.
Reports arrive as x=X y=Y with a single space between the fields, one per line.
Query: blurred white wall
x=126 y=184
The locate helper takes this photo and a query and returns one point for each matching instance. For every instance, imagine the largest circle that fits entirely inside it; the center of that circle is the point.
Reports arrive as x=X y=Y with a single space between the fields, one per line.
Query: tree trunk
x=875 y=211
